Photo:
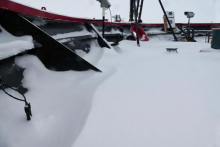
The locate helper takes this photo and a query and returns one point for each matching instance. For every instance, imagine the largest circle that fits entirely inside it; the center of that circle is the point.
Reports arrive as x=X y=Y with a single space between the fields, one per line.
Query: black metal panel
x=100 y=39
x=12 y=74
x=131 y=16
x=53 y=54
x=167 y=20
x=54 y=27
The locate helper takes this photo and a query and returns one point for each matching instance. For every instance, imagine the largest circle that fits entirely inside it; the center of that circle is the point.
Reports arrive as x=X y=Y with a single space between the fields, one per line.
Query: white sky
x=205 y=10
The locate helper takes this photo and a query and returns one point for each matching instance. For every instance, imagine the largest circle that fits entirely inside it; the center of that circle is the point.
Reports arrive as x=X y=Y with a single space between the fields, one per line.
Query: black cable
x=27 y=107
x=2 y=86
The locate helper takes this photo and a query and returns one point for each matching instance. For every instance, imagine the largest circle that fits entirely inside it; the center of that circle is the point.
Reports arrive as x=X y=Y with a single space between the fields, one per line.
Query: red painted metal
x=199 y=24
x=16 y=7
x=141 y=32
x=20 y=8
x=43 y=8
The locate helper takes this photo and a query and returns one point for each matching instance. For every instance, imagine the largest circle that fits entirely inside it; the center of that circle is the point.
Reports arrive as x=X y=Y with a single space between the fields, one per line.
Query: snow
x=144 y=96
x=99 y=34
x=95 y=53
x=59 y=107
x=143 y=37
x=11 y=45
x=72 y=34
x=156 y=98
x=154 y=31
x=206 y=11
x=113 y=31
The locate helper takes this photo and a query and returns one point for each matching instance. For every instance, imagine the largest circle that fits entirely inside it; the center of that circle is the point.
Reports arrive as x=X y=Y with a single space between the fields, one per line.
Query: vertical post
x=189 y=27
x=131 y=10
x=193 y=34
x=136 y=24
x=138 y=3
x=189 y=23
x=103 y=22
x=208 y=37
x=140 y=13
x=167 y=20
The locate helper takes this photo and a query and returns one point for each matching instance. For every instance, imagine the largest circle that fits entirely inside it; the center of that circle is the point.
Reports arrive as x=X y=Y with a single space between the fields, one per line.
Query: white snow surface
x=156 y=98
x=72 y=34
x=206 y=11
x=60 y=102
x=11 y=45
x=95 y=53
x=145 y=96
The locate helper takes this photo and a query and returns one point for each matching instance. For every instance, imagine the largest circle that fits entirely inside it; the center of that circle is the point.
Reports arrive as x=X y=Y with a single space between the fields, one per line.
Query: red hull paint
x=16 y=7
x=142 y=34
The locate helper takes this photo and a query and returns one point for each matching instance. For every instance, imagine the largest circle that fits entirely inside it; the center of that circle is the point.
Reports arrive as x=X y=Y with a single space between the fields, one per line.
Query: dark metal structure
x=54 y=55
x=167 y=20
x=138 y=9
x=105 y=5
x=136 y=23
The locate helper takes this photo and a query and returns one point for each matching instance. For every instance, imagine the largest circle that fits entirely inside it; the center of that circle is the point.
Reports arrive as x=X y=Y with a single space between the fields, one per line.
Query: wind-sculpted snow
x=61 y=102
x=94 y=55
x=156 y=98
x=11 y=45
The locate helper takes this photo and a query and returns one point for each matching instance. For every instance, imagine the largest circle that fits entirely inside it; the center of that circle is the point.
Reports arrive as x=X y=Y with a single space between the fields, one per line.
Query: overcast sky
x=206 y=10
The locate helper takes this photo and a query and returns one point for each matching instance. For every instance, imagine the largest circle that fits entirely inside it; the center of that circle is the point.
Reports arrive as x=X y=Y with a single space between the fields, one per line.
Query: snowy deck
x=144 y=97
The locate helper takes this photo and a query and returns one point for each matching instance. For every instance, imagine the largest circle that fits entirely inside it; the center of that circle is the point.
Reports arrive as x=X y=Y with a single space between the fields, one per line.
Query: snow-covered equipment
x=189 y=15
x=55 y=54
x=54 y=39
x=134 y=5
x=169 y=23
x=171 y=18
x=101 y=40
x=189 y=32
x=117 y=18
x=216 y=38
x=27 y=107
x=172 y=50
x=142 y=35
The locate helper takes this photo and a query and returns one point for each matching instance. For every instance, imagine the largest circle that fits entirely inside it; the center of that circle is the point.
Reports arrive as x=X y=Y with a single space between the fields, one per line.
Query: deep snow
x=11 y=45
x=144 y=97
x=60 y=101
x=156 y=98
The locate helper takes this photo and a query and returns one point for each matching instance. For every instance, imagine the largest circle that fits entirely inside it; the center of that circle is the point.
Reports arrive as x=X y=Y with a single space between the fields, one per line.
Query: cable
x=2 y=86
x=158 y=37
x=27 y=107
